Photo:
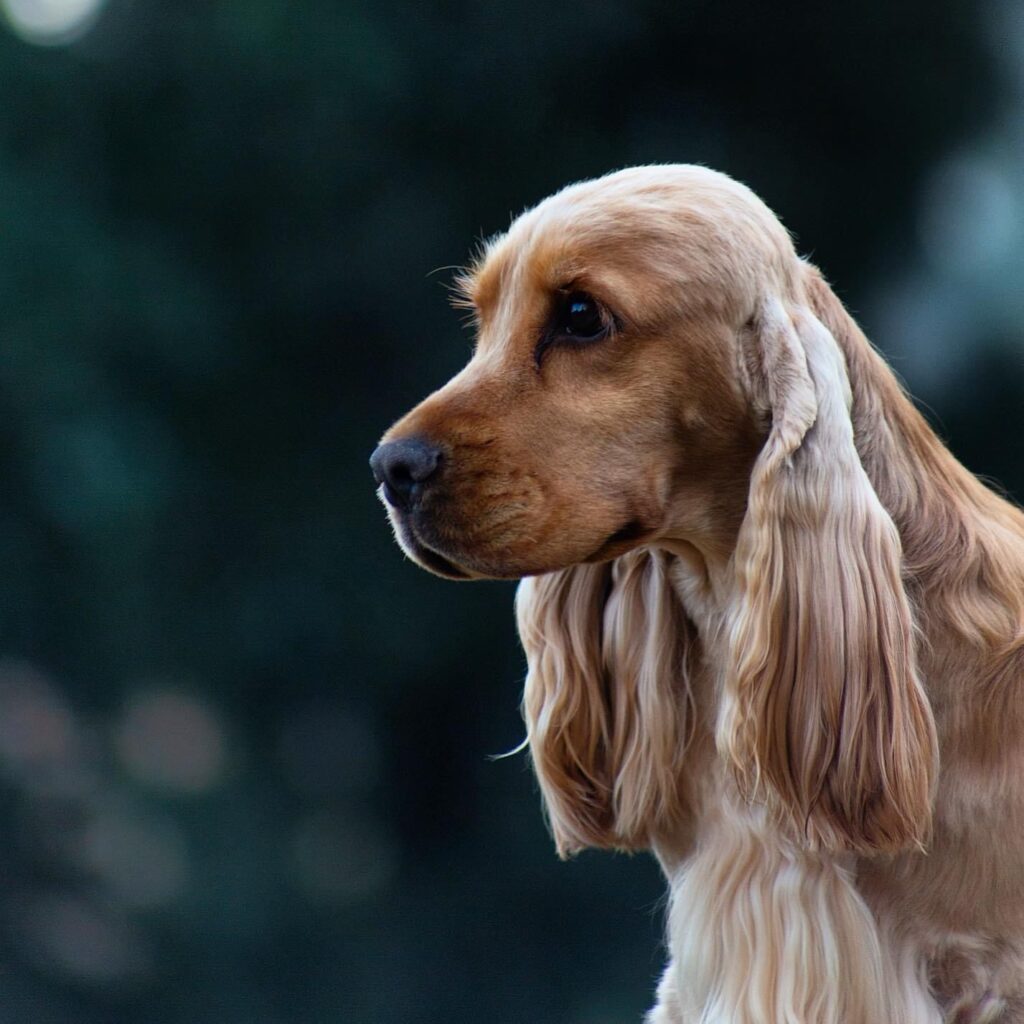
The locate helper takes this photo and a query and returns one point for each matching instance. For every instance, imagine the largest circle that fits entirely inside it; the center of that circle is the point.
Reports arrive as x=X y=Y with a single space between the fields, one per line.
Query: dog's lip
x=633 y=533
x=437 y=563
x=429 y=557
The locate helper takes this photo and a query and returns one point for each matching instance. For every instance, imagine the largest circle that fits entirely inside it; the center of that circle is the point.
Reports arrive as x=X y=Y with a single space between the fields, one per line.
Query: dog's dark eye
x=580 y=317
x=577 y=319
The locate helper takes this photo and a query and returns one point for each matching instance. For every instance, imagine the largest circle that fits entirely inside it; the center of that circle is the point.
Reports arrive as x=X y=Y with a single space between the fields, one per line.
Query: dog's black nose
x=403 y=467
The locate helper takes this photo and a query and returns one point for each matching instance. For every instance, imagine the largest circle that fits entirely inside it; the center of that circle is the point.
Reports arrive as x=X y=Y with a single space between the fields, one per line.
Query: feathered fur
x=775 y=631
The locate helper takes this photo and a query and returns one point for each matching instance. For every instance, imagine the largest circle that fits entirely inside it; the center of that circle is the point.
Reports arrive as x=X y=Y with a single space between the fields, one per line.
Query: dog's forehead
x=677 y=221
x=647 y=200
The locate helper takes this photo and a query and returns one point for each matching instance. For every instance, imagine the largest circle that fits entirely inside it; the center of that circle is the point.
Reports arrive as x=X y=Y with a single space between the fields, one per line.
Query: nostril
x=401 y=474
x=402 y=467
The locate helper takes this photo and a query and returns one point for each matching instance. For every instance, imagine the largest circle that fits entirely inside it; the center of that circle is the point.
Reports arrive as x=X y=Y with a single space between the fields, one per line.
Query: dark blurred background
x=244 y=771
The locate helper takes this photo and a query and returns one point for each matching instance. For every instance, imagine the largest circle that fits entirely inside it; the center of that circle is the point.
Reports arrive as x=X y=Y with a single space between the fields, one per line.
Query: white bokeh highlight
x=962 y=290
x=51 y=22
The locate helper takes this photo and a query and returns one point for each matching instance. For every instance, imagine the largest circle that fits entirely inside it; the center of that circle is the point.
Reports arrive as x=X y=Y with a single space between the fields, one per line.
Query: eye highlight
x=577 y=319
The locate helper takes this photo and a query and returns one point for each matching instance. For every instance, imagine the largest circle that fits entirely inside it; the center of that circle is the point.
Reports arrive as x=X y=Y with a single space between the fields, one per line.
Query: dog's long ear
x=822 y=710
x=607 y=699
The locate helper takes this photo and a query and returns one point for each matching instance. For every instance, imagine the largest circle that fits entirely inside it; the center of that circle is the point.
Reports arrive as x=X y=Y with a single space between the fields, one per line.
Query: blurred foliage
x=243 y=744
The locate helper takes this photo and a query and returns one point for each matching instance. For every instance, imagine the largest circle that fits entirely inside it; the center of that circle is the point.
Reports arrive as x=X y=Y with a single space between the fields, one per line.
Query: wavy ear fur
x=822 y=708
x=607 y=699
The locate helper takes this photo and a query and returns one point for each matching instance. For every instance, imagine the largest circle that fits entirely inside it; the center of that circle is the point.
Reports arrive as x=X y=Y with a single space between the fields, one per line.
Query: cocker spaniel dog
x=775 y=631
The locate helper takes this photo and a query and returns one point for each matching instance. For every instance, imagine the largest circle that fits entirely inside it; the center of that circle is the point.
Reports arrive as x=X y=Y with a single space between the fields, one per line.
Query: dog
x=774 y=630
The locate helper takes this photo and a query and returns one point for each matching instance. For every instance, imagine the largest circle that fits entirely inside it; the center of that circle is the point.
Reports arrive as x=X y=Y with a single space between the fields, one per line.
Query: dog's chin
x=632 y=535
x=432 y=561
x=425 y=555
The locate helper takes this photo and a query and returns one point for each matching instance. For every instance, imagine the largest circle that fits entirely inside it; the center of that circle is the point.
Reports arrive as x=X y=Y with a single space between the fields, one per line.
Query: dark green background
x=244 y=770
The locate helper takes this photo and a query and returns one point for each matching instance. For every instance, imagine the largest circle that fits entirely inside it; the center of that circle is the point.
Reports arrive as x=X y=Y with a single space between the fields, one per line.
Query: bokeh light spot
x=172 y=741
x=41 y=744
x=51 y=22
x=142 y=860
x=75 y=937
x=340 y=860
x=970 y=218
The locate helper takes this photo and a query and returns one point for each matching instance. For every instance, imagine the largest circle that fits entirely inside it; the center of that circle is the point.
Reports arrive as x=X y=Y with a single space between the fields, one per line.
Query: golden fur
x=775 y=631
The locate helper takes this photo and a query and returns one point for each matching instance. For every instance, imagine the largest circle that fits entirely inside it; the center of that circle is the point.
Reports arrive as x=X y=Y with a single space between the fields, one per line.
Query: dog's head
x=603 y=407
x=650 y=373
